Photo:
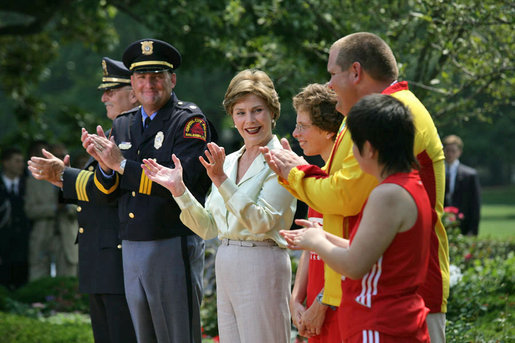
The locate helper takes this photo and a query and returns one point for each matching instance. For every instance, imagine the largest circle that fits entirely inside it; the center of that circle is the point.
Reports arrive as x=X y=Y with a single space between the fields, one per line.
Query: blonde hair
x=252 y=81
x=453 y=139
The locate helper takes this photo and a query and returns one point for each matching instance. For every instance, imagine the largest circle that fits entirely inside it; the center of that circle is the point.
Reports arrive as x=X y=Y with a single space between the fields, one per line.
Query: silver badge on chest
x=125 y=145
x=158 y=141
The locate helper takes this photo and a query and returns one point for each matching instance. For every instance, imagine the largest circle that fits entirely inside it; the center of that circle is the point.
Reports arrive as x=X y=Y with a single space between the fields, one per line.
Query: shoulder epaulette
x=134 y=109
x=188 y=106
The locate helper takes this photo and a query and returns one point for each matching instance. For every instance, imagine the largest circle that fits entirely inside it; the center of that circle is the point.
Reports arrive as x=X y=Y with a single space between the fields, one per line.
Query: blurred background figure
x=67 y=252
x=52 y=240
x=462 y=188
x=14 y=225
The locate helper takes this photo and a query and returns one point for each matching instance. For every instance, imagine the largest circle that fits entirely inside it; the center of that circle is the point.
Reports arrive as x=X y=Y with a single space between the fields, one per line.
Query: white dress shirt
x=11 y=184
x=452 y=169
x=254 y=209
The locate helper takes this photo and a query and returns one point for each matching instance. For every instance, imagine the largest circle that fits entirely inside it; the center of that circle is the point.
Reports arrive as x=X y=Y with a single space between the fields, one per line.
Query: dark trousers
x=110 y=319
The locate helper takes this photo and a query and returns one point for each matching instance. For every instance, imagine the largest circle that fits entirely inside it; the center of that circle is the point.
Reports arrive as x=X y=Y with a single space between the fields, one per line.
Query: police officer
x=100 y=256
x=162 y=258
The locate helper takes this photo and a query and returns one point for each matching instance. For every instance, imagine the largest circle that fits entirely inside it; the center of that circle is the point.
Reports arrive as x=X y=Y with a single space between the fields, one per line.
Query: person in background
x=162 y=259
x=66 y=249
x=385 y=261
x=317 y=125
x=15 y=228
x=462 y=188
x=361 y=64
x=41 y=208
x=54 y=228
x=246 y=209
x=100 y=249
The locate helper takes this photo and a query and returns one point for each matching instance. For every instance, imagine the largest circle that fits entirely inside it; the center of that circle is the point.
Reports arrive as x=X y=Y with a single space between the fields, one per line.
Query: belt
x=265 y=243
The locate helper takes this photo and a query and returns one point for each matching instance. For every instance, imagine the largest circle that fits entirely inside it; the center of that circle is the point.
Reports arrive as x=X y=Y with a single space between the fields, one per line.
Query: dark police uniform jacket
x=100 y=254
x=147 y=210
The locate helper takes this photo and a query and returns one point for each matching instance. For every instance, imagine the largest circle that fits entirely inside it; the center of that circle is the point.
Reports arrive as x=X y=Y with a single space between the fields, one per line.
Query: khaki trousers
x=253 y=292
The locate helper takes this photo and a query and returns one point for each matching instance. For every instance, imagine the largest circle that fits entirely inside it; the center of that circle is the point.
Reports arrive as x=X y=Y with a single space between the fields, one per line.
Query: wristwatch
x=319 y=300
x=122 y=166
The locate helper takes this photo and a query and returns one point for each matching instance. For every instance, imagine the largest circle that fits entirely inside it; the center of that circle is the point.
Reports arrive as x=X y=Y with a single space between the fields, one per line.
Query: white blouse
x=255 y=209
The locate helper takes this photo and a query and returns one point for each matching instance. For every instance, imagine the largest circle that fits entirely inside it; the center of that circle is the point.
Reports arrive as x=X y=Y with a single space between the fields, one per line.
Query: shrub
x=19 y=329
x=480 y=303
x=59 y=294
x=4 y=294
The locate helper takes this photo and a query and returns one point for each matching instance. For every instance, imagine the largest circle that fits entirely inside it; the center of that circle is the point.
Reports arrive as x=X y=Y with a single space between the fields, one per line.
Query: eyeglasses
x=302 y=127
x=112 y=91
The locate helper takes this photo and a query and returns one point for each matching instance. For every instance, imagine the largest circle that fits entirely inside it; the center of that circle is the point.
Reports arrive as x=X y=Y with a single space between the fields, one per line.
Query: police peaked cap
x=151 y=55
x=115 y=74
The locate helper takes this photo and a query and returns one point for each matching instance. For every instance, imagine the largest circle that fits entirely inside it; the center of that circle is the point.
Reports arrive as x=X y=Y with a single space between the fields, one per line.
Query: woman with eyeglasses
x=316 y=129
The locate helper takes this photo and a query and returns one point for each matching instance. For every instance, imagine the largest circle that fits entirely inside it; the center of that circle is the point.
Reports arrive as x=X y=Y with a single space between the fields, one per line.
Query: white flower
x=455 y=275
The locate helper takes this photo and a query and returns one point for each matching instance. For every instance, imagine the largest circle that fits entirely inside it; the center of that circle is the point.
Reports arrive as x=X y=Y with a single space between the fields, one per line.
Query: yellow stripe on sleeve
x=103 y=189
x=145 y=184
x=80 y=185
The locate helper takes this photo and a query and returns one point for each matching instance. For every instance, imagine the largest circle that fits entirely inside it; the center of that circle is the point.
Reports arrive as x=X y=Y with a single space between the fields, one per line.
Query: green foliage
x=208 y=308
x=19 y=329
x=4 y=294
x=25 y=56
x=54 y=294
x=480 y=305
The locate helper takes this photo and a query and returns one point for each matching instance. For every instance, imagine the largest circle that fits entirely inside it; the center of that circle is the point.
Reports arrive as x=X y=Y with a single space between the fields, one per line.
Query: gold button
x=131 y=215
x=91 y=168
x=139 y=152
x=79 y=208
x=119 y=246
x=81 y=230
x=133 y=193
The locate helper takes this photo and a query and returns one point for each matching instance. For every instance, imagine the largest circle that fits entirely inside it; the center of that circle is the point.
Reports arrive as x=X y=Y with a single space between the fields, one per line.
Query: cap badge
x=147 y=48
x=158 y=141
x=104 y=67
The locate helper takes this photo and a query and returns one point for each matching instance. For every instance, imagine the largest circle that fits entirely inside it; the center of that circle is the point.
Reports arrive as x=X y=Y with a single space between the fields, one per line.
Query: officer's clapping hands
x=102 y=149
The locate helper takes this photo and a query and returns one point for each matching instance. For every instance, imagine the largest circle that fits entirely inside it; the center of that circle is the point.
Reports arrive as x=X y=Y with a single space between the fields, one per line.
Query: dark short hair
x=320 y=102
x=372 y=53
x=8 y=153
x=388 y=125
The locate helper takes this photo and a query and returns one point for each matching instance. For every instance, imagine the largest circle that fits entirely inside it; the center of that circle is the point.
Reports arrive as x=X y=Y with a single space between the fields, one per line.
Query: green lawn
x=498 y=213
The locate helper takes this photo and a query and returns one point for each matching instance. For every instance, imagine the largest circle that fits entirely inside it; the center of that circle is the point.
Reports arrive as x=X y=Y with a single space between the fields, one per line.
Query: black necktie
x=147 y=122
x=13 y=188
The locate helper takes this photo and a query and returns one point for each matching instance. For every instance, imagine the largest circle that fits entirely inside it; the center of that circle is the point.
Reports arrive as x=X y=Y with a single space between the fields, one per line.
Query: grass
x=498 y=213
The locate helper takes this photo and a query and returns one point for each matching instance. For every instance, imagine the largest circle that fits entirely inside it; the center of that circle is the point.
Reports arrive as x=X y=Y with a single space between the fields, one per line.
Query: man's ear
x=356 y=72
x=173 y=79
x=132 y=98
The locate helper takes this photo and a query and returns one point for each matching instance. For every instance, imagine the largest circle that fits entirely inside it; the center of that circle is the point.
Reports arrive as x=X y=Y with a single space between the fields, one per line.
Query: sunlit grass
x=498 y=213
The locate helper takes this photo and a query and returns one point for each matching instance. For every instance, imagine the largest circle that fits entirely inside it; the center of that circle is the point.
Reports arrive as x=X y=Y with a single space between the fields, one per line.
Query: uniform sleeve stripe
x=103 y=189
x=145 y=184
x=80 y=185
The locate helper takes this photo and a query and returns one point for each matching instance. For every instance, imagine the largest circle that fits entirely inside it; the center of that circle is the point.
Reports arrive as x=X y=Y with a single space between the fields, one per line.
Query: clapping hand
x=303 y=239
x=48 y=168
x=170 y=178
x=281 y=161
x=215 y=163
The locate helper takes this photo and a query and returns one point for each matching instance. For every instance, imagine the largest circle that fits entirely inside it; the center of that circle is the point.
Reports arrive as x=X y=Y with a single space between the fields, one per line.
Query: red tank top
x=329 y=333
x=386 y=298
